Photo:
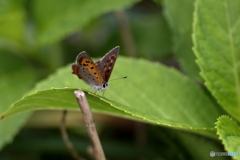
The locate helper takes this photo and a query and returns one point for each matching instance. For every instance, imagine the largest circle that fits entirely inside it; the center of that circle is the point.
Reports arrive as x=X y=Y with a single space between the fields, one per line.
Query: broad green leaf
x=180 y=17
x=57 y=18
x=229 y=132
x=62 y=99
x=216 y=45
x=152 y=92
x=16 y=79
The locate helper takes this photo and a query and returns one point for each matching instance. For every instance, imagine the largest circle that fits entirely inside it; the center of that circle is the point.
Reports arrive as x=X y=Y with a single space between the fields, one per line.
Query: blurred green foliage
x=39 y=37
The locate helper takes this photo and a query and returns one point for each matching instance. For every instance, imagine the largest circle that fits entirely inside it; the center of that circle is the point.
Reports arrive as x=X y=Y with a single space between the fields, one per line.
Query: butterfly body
x=95 y=74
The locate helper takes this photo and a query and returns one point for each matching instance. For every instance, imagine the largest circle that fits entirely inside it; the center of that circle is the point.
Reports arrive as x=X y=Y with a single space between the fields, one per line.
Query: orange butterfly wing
x=86 y=70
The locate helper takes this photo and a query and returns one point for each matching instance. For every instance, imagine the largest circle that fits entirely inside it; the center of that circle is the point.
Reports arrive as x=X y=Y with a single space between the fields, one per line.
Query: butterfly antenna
x=117 y=78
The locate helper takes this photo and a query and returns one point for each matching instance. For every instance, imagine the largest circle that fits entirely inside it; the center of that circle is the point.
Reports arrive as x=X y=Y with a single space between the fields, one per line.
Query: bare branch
x=91 y=128
x=66 y=140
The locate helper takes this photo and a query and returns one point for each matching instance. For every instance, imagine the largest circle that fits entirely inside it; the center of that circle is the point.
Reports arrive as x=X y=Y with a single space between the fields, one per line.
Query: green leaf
x=180 y=17
x=15 y=80
x=57 y=18
x=216 y=44
x=229 y=131
x=61 y=99
x=152 y=92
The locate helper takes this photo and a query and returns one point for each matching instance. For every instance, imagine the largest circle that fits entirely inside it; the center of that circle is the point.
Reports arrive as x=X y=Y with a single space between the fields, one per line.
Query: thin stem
x=140 y=136
x=98 y=153
x=126 y=34
x=65 y=137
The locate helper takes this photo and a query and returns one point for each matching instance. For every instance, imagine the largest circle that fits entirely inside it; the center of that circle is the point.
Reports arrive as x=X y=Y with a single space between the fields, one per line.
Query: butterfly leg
x=95 y=92
x=103 y=93
x=90 y=89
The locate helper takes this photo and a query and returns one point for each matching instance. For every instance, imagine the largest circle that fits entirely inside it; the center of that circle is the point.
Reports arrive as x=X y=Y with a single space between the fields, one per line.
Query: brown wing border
x=106 y=64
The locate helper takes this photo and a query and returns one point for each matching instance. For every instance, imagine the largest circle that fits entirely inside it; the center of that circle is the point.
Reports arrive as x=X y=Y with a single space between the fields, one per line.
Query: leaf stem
x=65 y=137
x=126 y=34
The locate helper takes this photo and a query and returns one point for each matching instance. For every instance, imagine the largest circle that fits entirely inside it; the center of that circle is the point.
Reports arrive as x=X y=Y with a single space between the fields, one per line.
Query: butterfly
x=96 y=74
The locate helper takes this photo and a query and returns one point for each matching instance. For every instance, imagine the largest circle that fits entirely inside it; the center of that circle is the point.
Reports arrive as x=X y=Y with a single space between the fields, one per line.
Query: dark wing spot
x=113 y=57
x=110 y=65
x=88 y=62
x=108 y=70
x=95 y=73
x=92 y=67
x=80 y=60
